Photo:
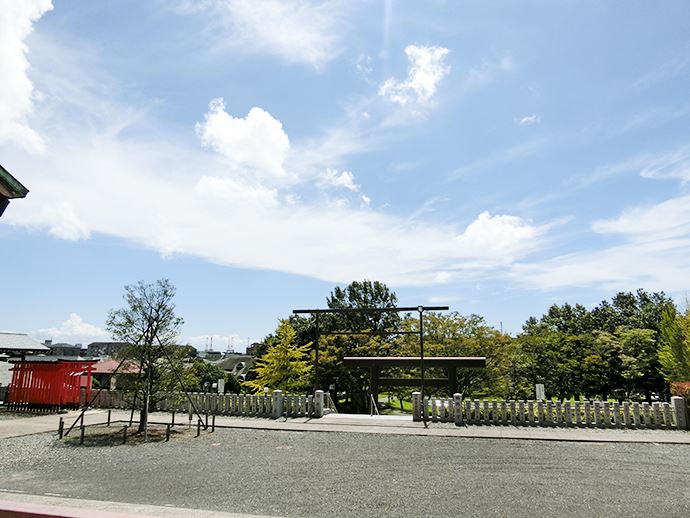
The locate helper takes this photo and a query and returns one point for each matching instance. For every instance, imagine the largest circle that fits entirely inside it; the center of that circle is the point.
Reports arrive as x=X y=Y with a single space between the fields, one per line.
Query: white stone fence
x=583 y=414
x=247 y=405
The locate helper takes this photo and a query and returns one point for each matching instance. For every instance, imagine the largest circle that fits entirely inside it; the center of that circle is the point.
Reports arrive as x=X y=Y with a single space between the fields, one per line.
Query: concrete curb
x=24 y=505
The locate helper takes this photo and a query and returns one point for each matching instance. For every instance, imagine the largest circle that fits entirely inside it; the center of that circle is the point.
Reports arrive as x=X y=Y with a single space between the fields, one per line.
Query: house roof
x=109 y=366
x=20 y=342
x=10 y=186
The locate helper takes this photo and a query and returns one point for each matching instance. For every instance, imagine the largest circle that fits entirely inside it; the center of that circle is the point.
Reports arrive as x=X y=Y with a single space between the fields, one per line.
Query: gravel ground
x=336 y=474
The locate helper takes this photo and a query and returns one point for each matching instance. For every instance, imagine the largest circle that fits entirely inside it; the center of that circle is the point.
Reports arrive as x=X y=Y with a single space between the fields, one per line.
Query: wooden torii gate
x=450 y=363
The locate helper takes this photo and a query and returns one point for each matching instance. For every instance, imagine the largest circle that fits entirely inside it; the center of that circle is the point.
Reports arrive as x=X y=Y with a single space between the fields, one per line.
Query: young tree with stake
x=149 y=325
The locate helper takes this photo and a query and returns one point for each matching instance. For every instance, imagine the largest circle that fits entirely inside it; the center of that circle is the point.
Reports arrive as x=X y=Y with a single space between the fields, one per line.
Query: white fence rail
x=584 y=414
x=246 y=405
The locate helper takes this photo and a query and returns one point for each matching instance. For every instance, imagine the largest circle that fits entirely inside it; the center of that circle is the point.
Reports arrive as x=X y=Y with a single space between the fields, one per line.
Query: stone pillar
x=679 y=410
x=416 y=406
x=318 y=403
x=277 y=404
x=457 y=409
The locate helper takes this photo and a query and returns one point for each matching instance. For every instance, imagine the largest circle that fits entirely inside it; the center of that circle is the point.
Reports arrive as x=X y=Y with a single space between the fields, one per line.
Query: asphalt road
x=337 y=474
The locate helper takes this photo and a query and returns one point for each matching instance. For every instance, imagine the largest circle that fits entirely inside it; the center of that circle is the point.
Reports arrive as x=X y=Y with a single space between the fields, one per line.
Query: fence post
x=679 y=410
x=457 y=409
x=416 y=406
x=61 y=428
x=277 y=404
x=318 y=403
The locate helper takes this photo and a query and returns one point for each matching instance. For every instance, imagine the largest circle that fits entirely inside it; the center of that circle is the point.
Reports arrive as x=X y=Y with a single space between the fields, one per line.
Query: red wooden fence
x=48 y=383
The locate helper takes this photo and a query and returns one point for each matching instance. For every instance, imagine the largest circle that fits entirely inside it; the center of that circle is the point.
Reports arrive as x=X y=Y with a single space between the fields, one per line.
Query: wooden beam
x=465 y=362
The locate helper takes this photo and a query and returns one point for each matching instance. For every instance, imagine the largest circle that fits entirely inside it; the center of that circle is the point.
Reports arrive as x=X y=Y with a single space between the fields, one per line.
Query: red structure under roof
x=49 y=383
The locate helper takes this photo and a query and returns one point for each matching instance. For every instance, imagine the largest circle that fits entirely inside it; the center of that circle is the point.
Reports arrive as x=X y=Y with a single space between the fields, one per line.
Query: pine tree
x=285 y=366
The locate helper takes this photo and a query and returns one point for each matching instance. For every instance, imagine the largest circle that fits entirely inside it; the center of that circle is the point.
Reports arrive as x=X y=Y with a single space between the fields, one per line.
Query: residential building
x=104 y=348
x=63 y=349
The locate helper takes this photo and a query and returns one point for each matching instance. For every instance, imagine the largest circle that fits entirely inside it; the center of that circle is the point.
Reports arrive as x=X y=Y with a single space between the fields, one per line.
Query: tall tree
x=364 y=294
x=285 y=366
x=674 y=341
x=149 y=325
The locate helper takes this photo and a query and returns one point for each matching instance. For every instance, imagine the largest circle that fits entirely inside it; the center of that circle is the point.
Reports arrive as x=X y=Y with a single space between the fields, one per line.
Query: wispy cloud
x=653 y=251
x=528 y=120
x=306 y=31
x=667 y=70
x=662 y=165
x=500 y=157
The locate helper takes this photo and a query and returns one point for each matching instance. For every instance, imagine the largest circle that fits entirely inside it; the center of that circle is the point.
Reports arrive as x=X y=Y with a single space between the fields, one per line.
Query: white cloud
x=256 y=141
x=296 y=30
x=345 y=180
x=17 y=92
x=529 y=120
x=157 y=197
x=427 y=69
x=653 y=253
x=249 y=205
x=74 y=330
x=499 y=236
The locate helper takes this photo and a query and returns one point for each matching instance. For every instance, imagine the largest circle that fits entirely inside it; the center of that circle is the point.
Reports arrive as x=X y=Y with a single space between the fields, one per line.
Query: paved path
x=396 y=425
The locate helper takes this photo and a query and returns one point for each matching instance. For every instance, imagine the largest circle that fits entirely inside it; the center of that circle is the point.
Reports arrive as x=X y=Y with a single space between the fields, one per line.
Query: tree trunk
x=143 y=417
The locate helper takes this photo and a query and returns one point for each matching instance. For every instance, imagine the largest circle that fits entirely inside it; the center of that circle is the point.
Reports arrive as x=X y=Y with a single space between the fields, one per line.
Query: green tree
x=149 y=325
x=359 y=295
x=285 y=366
x=674 y=341
x=640 y=362
x=453 y=334
x=206 y=374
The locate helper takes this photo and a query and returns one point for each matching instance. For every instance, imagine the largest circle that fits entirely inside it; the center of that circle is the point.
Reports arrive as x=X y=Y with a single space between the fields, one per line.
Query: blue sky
x=493 y=156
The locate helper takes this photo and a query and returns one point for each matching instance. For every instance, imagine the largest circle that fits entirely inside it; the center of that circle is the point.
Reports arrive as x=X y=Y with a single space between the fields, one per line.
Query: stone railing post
x=318 y=403
x=277 y=404
x=457 y=409
x=416 y=406
x=678 y=404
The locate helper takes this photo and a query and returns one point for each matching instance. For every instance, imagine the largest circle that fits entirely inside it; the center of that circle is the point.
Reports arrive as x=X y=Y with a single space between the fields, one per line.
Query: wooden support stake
x=61 y=428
